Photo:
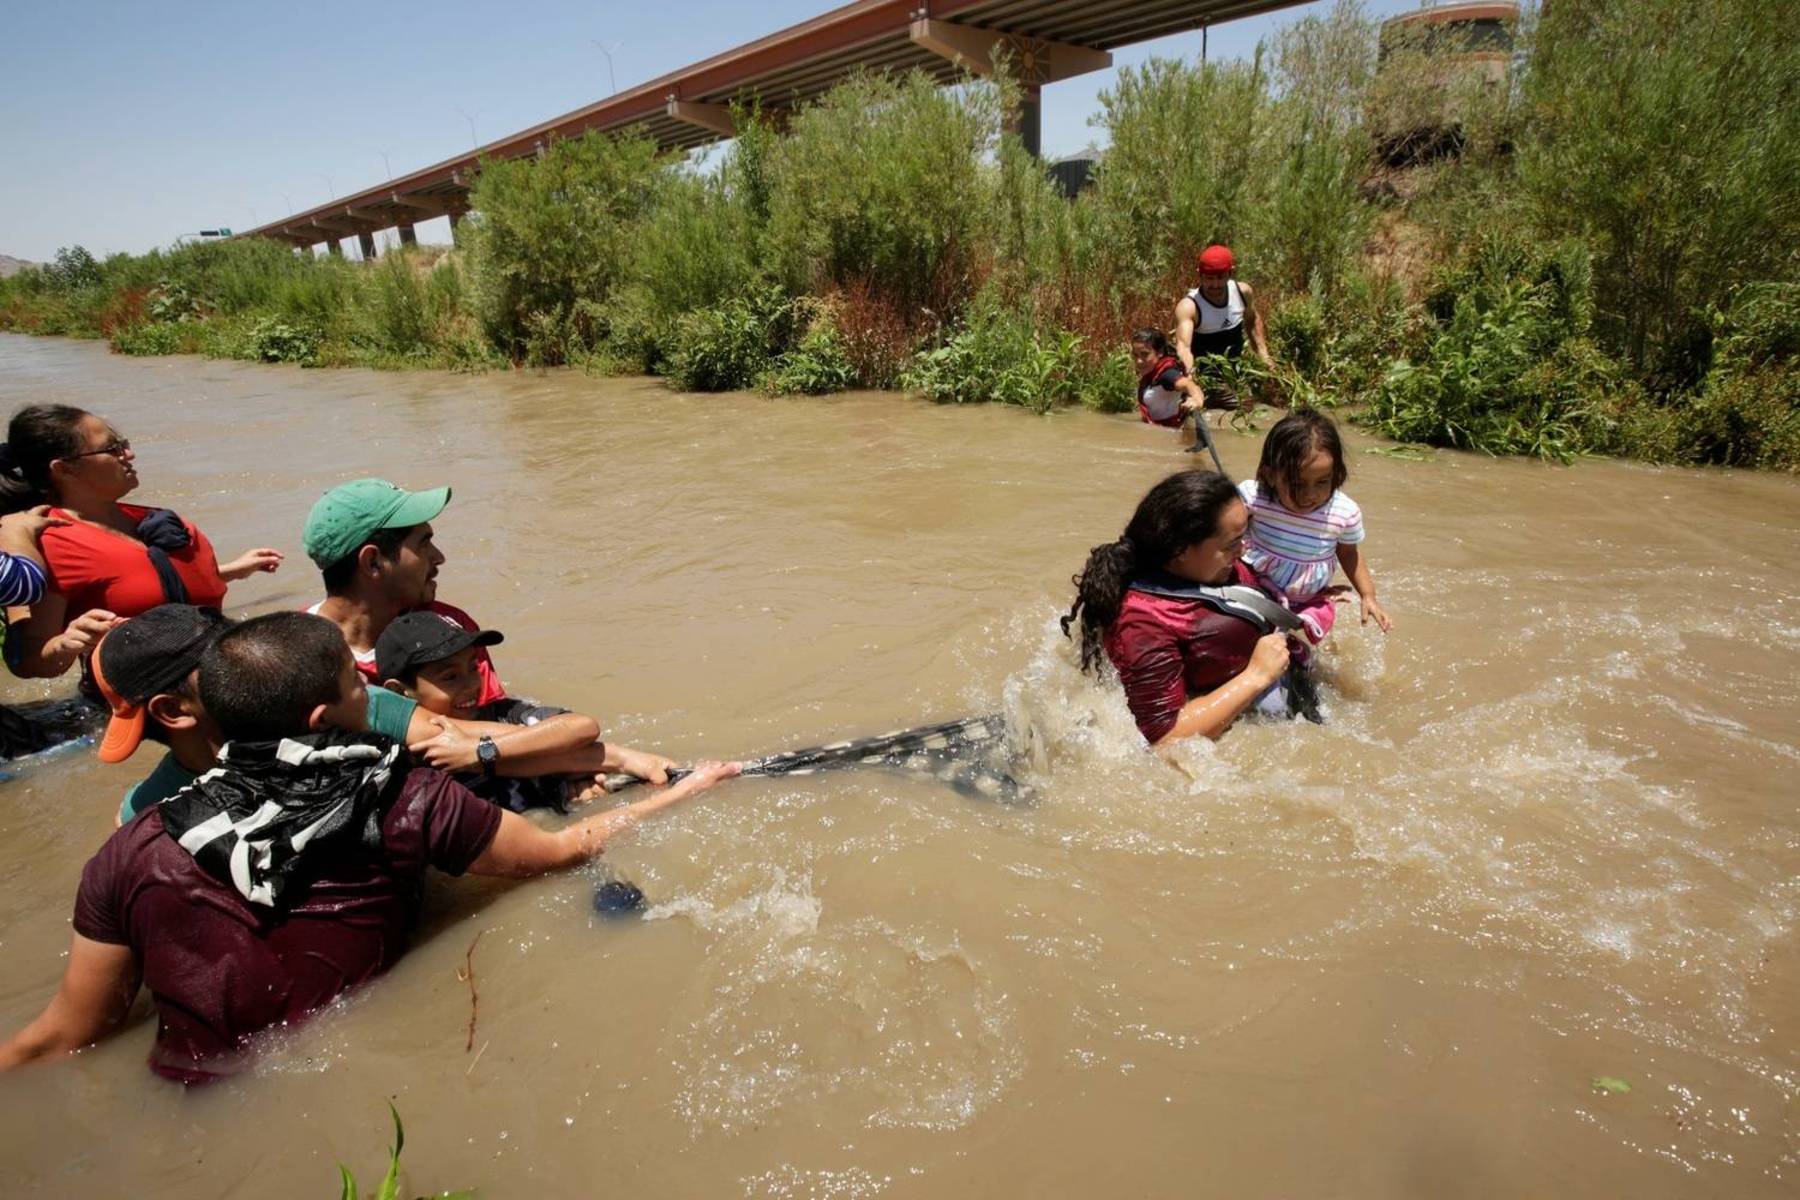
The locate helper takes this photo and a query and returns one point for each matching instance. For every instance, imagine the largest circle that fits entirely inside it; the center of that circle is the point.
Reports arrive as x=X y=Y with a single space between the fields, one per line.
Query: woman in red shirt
x=1180 y=617
x=111 y=561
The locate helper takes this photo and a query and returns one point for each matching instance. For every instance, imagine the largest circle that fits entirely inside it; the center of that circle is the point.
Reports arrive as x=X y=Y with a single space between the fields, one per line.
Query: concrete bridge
x=1048 y=40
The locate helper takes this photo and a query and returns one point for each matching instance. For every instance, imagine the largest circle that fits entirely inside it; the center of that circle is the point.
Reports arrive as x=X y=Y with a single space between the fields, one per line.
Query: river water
x=1548 y=835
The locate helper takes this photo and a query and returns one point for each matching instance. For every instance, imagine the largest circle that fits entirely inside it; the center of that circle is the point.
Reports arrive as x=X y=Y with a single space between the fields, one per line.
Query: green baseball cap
x=346 y=517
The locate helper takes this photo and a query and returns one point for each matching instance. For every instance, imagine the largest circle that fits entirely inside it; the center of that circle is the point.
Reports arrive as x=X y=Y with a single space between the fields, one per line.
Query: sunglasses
x=118 y=445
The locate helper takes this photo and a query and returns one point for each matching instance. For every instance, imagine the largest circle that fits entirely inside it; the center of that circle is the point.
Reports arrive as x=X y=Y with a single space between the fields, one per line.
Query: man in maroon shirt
x=290 y=873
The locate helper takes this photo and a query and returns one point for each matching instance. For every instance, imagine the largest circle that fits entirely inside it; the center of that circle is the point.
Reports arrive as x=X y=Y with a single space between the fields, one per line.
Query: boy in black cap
x=434 y=661
x=147 y=669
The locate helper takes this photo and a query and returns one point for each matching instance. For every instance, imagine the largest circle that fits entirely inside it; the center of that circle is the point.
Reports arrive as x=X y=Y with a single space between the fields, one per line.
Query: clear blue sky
x=127 y=124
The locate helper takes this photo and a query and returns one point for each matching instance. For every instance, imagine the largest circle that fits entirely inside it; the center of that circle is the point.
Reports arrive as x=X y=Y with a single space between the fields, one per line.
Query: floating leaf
x=1611 y=1084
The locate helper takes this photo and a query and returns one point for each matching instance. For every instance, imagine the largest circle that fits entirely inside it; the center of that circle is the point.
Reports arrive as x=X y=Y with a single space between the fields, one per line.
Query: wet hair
x=262 y=679
x=1294 y=439
x=1156 y=339
x=1177 y=513
x=339 y=574
x=37 y=436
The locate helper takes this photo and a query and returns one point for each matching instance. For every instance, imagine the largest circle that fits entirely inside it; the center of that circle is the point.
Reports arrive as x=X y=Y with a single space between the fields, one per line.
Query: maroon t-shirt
x=1168 y=651
x=220 y=969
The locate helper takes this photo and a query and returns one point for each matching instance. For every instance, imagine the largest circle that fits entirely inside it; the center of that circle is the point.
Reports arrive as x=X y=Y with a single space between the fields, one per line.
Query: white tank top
x=1160 y=402
x=1217 y=320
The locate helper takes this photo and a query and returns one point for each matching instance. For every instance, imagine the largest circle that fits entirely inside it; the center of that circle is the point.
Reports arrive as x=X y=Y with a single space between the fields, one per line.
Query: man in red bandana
x=1217 y=317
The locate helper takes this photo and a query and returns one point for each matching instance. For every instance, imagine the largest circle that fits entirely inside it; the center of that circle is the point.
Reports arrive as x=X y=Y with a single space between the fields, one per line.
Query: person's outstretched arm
x=1363 y=580
x=97 y=989
x=521 y=850
x=41 y=646
x=525 y=750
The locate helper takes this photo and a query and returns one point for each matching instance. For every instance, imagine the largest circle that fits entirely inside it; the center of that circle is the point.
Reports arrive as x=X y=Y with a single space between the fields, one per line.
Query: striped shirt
x=21 y=580
x=1297 y=552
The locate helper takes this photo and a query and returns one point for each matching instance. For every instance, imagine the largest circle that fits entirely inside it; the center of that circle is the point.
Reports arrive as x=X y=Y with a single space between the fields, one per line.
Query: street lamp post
x=611 y=82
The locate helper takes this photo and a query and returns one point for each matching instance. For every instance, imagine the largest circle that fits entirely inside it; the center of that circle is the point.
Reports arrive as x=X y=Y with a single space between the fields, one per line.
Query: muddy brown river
x=1548 y=835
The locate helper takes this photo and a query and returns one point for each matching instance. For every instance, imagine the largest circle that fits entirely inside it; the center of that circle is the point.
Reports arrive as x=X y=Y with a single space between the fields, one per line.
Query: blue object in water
x=616 y=897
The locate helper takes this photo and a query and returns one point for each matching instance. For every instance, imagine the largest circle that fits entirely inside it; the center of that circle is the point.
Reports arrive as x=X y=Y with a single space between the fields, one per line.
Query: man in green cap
x=372 y=542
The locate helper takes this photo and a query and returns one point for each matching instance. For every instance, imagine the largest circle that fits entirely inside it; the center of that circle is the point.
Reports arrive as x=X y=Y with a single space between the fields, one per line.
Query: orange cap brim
x=126 y=729
x=123 y=733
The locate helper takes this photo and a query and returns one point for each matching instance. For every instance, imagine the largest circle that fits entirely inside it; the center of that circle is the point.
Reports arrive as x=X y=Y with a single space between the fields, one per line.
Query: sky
x=126 y=125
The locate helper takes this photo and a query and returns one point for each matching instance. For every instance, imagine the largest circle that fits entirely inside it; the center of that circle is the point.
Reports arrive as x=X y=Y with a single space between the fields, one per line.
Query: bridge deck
x=783 y=70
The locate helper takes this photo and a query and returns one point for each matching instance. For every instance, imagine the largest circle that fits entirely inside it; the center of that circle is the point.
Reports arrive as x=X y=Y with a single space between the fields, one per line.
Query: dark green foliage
x=1747 y=412
x=73 y=268
x=999 y=356
x=149 y=338
x=554 y=231
x=883 y=179
x=276 y=341
x=1666 y=136
x=814 y=367
x=1508 y=369
x=729 y=345
x=1111 y=386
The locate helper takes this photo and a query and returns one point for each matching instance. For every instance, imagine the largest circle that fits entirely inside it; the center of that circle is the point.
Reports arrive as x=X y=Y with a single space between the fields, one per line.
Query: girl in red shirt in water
x=110 y=561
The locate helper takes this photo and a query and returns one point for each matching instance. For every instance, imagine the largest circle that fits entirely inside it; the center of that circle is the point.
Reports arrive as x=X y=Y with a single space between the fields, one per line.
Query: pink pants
x=1317 y=613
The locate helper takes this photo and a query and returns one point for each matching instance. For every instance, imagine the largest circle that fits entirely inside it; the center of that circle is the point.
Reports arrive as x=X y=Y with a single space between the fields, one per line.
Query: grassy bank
x=1606 y=264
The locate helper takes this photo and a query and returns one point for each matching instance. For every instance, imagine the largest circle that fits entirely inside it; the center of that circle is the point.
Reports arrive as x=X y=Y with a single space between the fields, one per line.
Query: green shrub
x=1000 y=357
x=553 y=231
x=1509 y=369
x=728 y=346
x=1111 y=386
x=883 y=179
x=149 y=338
x=815 y=366
x=395 y=314
x=276 y=341
x=1680 y=180
x=74 y=268
x=695 y=247
x=1298 y=334
x=1747 y=412
x=632 y=336
x=318 y=295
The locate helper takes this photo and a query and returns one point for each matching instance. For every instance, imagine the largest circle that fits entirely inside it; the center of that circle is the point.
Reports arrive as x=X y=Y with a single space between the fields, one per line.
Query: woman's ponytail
x=1099 y=591
x=37 y=436
x=1177 y=513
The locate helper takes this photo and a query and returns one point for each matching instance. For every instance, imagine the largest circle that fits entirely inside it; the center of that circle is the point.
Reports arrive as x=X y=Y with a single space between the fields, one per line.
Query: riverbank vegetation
x=1597 y=255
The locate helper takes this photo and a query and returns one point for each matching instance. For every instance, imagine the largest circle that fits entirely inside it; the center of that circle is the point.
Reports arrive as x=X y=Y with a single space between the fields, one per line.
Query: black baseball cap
x=144 y=657
x=418 y=639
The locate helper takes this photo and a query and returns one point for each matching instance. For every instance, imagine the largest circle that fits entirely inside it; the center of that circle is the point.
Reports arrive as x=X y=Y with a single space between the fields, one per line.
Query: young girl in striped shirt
x=1302 y=525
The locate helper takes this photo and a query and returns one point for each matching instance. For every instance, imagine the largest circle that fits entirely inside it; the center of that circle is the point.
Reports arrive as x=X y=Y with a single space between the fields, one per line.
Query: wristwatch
x=487 y=754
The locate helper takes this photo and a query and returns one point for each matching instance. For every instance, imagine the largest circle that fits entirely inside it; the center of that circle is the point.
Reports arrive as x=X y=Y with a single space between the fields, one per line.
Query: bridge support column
x=334 y=247
x=455 y=228
x=1034 y=62
x=407 y=236
x=365 y=242
x=1029 y=124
